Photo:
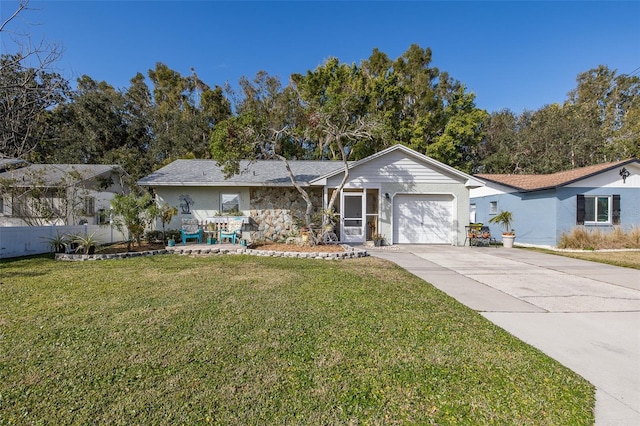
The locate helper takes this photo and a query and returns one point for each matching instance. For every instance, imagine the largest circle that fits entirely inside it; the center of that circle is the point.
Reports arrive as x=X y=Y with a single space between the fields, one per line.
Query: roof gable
x=399 y=153
x=527 y=183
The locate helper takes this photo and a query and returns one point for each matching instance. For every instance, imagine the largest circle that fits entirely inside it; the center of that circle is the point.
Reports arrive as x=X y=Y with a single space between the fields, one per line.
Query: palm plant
x=86 y=243
x=504 y=218
x=58 y=242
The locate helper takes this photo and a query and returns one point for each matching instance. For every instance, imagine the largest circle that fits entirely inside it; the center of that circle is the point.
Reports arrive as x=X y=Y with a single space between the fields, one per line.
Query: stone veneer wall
x=273 y=211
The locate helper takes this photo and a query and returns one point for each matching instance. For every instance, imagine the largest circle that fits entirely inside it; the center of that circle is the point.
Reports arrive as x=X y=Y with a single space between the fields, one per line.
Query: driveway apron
x=585 y=315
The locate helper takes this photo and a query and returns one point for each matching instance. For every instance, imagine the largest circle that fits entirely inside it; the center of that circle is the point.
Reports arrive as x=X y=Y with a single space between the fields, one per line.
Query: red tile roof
x=553 y=180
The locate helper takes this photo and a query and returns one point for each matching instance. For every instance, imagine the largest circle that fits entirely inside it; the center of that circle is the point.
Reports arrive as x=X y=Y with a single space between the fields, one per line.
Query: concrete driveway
x=586 y=315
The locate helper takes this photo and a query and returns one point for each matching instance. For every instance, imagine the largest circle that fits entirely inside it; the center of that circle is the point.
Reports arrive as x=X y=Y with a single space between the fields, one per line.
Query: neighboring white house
x=399 y=193
x=545 y=206
x=57 y=194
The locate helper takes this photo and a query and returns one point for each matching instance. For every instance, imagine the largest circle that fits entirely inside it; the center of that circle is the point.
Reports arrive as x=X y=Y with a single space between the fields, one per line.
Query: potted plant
x=329 y=219
x=377 y=239
x=505 y=218
x=211 y=233
x=58 y=243
x=304 y=234
x=172 y=236
x=86 y=243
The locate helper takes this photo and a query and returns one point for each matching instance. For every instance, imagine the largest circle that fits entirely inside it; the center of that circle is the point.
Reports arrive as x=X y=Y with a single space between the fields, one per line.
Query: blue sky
x=517 y=55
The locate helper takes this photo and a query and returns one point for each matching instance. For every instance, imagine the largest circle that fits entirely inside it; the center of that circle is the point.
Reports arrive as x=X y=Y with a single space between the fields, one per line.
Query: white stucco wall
x=206 y=202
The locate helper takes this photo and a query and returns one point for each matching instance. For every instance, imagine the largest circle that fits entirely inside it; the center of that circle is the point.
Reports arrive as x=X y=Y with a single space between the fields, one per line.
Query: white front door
x=353 y=230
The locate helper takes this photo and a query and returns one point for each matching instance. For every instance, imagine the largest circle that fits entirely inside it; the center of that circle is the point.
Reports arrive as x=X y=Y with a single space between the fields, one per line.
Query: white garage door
x=422 y=219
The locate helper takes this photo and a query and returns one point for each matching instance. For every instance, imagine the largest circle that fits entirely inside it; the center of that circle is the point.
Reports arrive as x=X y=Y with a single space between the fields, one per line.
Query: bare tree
x=337 y=117
x=28 y=87
x=279 y=123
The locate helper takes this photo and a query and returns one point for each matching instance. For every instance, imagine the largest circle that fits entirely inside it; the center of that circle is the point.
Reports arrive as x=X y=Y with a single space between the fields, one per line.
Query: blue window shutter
x=580 y=209
x=615 y=210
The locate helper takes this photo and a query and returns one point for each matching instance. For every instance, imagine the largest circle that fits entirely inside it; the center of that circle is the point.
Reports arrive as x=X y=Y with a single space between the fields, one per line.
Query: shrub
x=597 y=239
x=153 y=236
x=132 y=213
x=634 y=237
x=173 y=234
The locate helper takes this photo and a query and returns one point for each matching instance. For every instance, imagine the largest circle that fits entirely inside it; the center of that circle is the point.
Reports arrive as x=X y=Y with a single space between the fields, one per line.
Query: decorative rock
x=349 y=254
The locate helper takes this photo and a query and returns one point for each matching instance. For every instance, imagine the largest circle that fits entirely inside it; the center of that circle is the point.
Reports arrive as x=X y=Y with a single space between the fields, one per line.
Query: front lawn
x=251 y=340
x=627 y=259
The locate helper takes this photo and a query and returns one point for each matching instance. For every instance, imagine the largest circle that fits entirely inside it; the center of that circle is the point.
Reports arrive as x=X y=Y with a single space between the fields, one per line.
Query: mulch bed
x=122 y=248
x=294 y=248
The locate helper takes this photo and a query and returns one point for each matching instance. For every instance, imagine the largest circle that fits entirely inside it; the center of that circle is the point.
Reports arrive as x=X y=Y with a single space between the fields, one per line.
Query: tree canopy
x=599 y=122
x=337 y=111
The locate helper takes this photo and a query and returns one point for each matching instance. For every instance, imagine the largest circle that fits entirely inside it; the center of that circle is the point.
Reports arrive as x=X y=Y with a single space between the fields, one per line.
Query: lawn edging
x=349 y=253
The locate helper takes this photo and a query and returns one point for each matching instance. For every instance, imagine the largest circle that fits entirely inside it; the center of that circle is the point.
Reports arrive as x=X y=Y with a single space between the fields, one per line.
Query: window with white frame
x=229 y=203
x=493 y=207
x=598 y=209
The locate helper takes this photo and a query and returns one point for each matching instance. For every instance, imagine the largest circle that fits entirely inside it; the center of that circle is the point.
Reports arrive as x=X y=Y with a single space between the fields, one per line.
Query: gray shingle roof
x=258 y=173
x=52 y=174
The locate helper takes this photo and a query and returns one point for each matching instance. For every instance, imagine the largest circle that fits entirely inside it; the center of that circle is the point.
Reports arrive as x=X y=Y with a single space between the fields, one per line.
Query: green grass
x=251 y=340
x=627 y=259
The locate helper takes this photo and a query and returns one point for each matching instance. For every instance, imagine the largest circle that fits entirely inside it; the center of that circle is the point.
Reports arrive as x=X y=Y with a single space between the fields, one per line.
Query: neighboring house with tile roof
x=545 y=206
x=58 y=194
x=399 y=193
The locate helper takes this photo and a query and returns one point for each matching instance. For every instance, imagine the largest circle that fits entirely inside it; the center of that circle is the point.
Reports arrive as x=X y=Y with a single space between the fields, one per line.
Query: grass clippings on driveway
x=252 y=340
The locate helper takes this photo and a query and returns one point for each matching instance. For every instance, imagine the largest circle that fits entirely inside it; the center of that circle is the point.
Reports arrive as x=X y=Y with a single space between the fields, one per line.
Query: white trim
x=493 y=207
x=363 y=216
x=595 y=211
x=221 y=201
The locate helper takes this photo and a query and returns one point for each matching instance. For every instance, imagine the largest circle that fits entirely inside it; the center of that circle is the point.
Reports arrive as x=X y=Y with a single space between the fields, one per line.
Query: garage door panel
x=423 y=219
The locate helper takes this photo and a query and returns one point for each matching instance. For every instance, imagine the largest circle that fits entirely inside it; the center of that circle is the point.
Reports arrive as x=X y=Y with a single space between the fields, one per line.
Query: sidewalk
x=583 y=314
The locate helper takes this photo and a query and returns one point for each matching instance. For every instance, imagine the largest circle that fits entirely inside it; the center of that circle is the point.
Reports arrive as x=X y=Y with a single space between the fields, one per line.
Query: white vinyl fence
x=16 y=241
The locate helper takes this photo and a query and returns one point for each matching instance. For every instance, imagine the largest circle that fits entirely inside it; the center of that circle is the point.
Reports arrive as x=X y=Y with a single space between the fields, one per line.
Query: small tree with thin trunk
x=133 y=213
x=166 y=213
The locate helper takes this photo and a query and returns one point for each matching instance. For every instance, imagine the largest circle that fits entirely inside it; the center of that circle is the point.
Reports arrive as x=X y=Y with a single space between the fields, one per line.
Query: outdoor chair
x=232 y=231
x=478 y=235
x=484 y=237
x=191 y=230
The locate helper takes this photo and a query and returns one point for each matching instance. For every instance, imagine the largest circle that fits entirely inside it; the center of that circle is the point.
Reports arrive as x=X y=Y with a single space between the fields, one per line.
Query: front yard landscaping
x=256 y=340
